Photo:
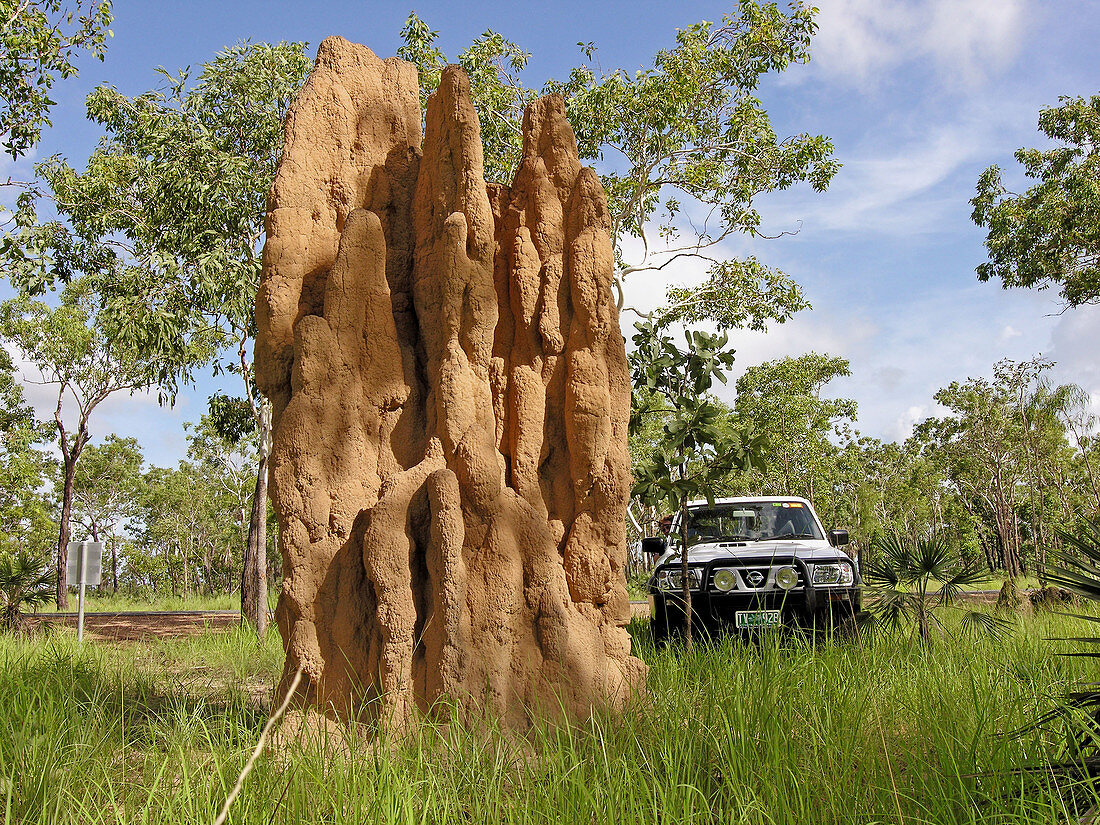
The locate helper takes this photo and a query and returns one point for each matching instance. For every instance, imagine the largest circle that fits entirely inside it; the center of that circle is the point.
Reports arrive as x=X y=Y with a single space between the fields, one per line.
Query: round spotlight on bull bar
x=725 y=580
x=786 y=578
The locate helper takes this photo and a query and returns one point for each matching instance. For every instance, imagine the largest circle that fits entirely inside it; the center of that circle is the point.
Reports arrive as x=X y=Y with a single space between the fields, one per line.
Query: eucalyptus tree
x=882 y=487
x=222 y=450
x=193 y=518
x=179 y=185
x=180 y=534
x=67 y=347
x=106 y=494
x=1042 y=409
x=786 y=399
x=1002 y=445
x=1083 y=427
x=39 y=40
x=980 y=444
x=1050 y=234
x=26 y=471
x=683 y=147
x=696 y=451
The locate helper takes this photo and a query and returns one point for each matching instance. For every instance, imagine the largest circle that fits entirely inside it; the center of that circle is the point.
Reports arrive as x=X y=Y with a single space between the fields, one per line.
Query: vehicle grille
x=755 y=577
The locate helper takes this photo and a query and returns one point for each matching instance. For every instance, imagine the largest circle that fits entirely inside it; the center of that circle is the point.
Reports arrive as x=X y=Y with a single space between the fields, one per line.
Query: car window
x=751 y=521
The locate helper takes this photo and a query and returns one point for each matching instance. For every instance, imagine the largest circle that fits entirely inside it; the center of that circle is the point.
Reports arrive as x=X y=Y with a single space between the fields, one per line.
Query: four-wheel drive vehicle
x=753 y=563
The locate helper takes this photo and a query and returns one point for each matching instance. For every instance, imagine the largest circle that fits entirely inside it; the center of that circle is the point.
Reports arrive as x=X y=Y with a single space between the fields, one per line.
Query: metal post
x=80 y=599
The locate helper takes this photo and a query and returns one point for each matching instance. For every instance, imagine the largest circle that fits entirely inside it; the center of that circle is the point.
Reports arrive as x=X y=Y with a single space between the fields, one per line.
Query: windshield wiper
x=788 y=536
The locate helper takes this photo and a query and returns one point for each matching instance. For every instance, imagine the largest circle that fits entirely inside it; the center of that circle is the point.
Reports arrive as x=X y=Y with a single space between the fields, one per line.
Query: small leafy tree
x=39 y=40
x=784 y=398
x=67 y=346
x=696 y=450
x=25 y=582
x=911 y=579
x=1050 y=234
x=27 y=513
x=106 y=491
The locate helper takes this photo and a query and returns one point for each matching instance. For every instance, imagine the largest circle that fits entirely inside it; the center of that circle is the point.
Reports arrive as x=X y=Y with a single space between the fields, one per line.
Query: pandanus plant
x=1075 y=716
x=25 y=583
x=1077 y=568
x=911 y=579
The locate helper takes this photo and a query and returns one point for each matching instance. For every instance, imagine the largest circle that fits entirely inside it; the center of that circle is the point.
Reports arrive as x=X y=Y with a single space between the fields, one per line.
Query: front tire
x=658 y=624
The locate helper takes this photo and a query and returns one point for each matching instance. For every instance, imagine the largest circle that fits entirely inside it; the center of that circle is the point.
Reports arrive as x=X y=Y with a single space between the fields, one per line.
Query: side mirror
x=838 y=538
x=654 y=546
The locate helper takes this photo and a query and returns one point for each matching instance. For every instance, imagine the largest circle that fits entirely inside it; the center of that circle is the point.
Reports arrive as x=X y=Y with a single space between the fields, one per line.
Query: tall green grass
x=787 y=731
x=124 y=602
x=96 y=602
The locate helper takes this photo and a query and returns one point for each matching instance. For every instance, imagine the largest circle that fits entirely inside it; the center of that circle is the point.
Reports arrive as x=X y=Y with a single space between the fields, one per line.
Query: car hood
x=809 y=550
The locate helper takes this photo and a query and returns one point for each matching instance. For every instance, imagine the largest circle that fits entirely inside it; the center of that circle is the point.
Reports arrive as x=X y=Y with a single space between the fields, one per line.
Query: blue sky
x=918 y=96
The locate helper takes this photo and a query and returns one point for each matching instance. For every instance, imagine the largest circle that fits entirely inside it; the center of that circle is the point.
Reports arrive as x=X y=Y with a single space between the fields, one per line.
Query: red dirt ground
x=139 y=626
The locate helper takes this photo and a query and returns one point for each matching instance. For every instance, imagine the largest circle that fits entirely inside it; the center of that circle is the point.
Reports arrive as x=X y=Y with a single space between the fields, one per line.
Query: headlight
x=786 y=578
x=838 y=575
x=674 y=580
x=725 y=580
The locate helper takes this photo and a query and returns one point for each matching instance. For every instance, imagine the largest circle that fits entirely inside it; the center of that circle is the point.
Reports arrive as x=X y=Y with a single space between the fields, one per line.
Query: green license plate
x=757 y=618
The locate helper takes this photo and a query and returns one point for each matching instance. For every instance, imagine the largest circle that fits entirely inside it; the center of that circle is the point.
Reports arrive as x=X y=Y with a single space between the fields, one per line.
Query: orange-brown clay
x=451 y=394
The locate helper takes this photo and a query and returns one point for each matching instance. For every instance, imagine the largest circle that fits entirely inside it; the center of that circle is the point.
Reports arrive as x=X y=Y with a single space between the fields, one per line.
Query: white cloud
x=890 y=187
x=857 y=38
x=912 y=171
x=974 y=36
x=907 y=422
x=889 y=377
x=1074 y=343
x=1009 y=332
x=965 y=40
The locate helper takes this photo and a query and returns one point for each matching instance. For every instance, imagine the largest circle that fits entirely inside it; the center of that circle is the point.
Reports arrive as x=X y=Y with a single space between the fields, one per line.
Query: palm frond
x=1076 y=577
x=931 y=557
x=891 y=608
x=1085 y=639
x=977 y=623
x=25 y=582
x=1085 y=541
x=965 y=578
x=879 y=574
x=895 y=556
x=1077 y=568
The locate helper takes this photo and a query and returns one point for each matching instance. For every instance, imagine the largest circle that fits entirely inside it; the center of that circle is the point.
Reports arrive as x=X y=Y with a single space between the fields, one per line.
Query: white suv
x=753 y=563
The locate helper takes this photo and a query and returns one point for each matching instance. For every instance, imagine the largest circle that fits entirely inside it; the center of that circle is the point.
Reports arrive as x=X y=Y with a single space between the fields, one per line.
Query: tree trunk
x=102 y=587
x=114 y=566
x=63 y=535
x=686 y=583
x=923 y=625
x=254 y=569
x=987 y=548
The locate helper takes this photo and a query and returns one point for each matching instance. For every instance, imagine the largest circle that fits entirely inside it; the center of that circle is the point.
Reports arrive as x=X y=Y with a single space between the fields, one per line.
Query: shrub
x=25 y=582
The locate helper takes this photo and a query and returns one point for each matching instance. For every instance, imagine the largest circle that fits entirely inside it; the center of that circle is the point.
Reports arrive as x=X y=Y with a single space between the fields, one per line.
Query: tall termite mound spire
x=451 y=395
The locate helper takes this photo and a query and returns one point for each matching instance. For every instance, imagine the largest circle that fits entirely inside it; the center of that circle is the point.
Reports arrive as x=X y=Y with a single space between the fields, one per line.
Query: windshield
x=752 y=521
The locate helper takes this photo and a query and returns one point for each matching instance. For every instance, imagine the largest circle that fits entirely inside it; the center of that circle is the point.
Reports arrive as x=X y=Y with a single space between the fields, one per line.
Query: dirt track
x=144 y=625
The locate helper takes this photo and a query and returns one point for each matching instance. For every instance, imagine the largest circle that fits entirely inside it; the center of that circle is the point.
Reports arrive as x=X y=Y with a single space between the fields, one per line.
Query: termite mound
x=450 y=395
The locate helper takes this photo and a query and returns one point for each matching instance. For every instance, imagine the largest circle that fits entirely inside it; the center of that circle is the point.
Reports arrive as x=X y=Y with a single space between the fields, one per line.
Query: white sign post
x=84 y=567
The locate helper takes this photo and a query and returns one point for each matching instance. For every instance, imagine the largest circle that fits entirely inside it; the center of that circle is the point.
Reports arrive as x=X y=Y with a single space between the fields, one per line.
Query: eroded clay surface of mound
x=451 y=396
